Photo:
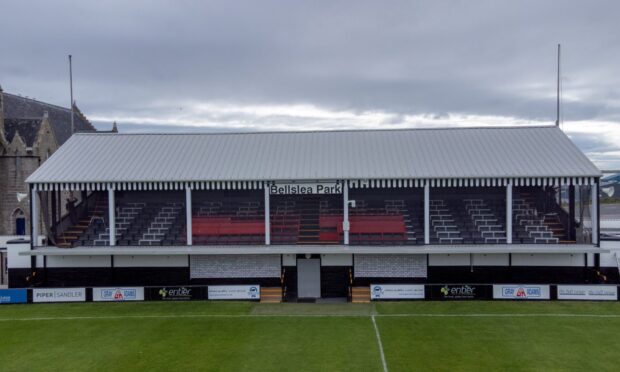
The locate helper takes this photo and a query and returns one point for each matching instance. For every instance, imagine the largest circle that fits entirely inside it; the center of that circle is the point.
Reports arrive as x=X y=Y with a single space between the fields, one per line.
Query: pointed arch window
x=19 y=220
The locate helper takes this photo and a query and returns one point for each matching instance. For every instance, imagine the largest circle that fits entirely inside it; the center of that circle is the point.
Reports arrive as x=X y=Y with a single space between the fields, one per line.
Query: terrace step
x=360 y=294
x=270 y=294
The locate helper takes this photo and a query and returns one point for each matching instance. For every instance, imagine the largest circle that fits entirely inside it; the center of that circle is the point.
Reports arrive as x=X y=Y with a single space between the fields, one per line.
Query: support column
x=188 y=215
x=509 y=212
x=34 y=217
x=345 y=219
x=427 y=213
x=571 y=212
x=54 y=221
x=594 y=212
x=59 y=207
x=112 y=216
x=267 y=217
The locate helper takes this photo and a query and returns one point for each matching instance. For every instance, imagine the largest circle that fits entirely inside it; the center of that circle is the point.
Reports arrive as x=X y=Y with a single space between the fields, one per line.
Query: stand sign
x=305 y=188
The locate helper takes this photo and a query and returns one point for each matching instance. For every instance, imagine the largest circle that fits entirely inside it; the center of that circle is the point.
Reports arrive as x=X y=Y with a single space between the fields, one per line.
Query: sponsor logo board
x=118 y=294
x=13 y=296
x=521 y=292
x=59 y=294
x=588 y=292
x=460 y=292
x=234 y=292
x=175 y=293
x=396 y=291
x=305 y=188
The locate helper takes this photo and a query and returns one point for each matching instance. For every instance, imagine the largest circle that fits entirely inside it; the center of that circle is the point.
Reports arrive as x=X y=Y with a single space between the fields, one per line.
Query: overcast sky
x=282 y=65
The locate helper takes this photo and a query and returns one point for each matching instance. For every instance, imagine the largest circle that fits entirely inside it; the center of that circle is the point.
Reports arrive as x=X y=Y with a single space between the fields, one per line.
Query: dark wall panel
x=335 y=281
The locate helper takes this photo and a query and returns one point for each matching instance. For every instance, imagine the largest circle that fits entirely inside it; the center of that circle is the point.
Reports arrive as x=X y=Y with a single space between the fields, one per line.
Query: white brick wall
x=235 y=266
x=390 y=266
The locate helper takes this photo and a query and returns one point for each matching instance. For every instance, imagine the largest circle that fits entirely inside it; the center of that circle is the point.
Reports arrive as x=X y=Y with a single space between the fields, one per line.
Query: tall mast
x=557 y=122
x=71 y=90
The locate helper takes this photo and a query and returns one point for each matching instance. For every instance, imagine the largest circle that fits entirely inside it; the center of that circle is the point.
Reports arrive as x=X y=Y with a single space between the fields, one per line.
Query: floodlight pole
x=71 y=91
x=557 y=122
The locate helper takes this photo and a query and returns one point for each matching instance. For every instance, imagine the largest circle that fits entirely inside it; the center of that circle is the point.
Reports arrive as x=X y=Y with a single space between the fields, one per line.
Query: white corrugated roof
x=328 y=155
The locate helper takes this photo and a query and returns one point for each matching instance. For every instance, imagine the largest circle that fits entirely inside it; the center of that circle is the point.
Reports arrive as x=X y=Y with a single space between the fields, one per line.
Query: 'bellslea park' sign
x=305 y=188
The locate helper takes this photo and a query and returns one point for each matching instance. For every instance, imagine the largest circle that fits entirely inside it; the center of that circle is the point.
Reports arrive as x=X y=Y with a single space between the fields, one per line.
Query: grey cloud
x=144 y=58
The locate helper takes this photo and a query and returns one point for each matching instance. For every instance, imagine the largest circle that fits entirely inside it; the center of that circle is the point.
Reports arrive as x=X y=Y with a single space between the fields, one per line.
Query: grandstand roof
x=485 y=152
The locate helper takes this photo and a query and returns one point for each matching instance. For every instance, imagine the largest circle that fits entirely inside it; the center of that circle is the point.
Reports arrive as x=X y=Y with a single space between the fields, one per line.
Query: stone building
x=30 y=131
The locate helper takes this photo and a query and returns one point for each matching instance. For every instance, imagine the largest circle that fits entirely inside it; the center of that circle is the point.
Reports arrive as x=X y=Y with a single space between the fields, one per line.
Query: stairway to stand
x=67 y=238
x=271 y=295
x=309 y=228
x=360 y=295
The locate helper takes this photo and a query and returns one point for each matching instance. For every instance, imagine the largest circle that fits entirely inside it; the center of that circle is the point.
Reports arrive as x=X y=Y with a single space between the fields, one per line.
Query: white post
x=267 y=217
x=345 y=220
x=427 y=213
x=509 y=212
x=188 y=215
x=34 y=218
x=594 y=213
x=112 y=216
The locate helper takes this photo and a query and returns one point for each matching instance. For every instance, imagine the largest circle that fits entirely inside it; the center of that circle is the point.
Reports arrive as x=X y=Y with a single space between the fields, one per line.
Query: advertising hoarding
x=521 y=292
x=460 y=292
x=59 y=294
x=13 y=296
x=183 y=293
x=118 y=294
x=396 y=291
x=588 y=292
x=234 y=292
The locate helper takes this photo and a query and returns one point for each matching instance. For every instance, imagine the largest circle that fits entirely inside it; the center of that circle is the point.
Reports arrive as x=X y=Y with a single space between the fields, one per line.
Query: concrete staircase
x=360 y=295
x=309 y=229
x=271 y=295
x=161 y=224
x=125 y=217
x=398 y=207
x=68 y=237
x=485 y=221
x=209 y=208
x=527 y=216
x=443 y=223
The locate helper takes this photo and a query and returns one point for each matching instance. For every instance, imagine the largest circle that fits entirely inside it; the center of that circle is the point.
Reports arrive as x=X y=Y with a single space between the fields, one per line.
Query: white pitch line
x=500 y=315
x=374 y=323
x=421 y=315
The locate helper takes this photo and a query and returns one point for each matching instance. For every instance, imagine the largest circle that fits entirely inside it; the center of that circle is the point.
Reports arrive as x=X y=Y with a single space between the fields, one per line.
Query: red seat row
x=382 y=227
x=208 y=226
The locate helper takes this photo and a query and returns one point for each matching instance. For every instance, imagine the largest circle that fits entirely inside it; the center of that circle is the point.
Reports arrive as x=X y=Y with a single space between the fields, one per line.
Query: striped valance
x=374 y=183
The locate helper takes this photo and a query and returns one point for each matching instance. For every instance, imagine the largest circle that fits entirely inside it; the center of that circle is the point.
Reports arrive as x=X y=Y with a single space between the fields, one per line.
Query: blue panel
x=13 y=296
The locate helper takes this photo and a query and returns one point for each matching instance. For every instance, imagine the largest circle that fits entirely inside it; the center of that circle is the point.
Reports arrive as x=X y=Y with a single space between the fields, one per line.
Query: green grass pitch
x=238 y=336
